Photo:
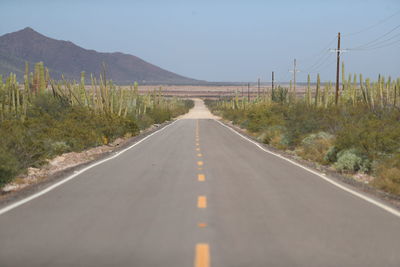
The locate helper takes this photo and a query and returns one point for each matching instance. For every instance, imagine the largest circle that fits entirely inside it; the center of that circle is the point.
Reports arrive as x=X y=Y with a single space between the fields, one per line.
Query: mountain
x=64 y=57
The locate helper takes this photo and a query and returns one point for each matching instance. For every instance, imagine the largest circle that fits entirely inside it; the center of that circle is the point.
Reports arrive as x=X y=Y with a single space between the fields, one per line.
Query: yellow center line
x=202 y=202
x=202 y=225
x=201 y=177
x=198 y=149
x=200 y=163
x=202 y=258
x=197 y=144
x=199 y=155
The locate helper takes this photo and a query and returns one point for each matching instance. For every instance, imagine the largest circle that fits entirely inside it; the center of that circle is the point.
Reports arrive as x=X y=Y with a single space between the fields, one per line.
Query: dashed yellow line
x=197 y=148
x=202 y=202
x=201 y=177
x=200 y=163
x=199 y=155
x=202 y=225
x=202 y=258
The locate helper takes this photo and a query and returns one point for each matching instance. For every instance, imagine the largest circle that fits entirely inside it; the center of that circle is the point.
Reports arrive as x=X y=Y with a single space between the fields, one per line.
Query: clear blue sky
x=228 y=40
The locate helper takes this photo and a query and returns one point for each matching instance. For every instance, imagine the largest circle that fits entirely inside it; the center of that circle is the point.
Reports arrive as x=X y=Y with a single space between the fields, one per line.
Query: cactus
x=343 y=77
x=354 y=90
x=308 y=94
x=317 y=90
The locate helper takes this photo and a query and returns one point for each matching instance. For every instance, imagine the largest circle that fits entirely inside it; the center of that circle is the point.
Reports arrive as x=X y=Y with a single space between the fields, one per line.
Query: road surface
x=197 y=194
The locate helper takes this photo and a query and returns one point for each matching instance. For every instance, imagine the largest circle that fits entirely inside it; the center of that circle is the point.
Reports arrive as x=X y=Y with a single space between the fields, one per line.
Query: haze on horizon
x=225 y=40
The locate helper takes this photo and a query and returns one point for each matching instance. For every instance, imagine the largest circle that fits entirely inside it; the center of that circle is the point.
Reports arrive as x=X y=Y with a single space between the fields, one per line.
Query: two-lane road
x=197 y=194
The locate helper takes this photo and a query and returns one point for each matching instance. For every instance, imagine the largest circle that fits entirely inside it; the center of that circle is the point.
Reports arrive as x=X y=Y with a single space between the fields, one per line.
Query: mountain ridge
x=65 y=57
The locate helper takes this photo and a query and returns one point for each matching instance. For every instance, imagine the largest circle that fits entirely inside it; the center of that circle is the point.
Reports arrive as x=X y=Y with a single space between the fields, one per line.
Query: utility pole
x=338 y=51
x=248 y=92
x=337 y=70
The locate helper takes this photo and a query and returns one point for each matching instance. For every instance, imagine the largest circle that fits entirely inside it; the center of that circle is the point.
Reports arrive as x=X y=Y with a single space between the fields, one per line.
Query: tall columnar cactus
x=380 y=88
x=364 y=91
x=42 y=79
x=82 y=89
x=354 y=89
x=308 y=94
x=343 y=78
x=370 y=93
x=317 y=90
x=388 y=88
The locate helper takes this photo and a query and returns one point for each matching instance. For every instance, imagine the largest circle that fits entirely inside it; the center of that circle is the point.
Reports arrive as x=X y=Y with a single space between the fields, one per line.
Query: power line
x=377 y=39
x=372 y=26
x=384 y=41
x=377 y=47
x=323 y=65
x=326 y=47
x=319 y=62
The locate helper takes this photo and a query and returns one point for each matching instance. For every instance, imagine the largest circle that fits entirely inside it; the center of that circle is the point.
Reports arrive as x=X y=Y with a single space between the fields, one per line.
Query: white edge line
x=76 y=173
x=321 y=175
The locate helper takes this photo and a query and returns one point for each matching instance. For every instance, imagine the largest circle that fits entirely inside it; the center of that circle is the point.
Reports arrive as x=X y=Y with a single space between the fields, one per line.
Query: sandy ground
x=199 y=111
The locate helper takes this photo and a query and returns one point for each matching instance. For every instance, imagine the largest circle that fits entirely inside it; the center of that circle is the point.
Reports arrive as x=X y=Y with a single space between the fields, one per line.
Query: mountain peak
x=28 y=30
x=24 y=34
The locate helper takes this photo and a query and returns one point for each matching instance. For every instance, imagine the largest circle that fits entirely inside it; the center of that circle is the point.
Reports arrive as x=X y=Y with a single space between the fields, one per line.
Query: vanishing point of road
x=195 y=193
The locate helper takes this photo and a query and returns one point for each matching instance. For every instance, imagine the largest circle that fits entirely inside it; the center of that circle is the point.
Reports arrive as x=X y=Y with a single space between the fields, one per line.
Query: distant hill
x=64 y=57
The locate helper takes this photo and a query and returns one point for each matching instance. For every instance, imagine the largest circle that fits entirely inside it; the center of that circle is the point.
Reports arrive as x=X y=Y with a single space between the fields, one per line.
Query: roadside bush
x=301 y=120
x=160 y=115
x=331 y=154
x=350 y=160
x=371 y=133
x=275 y=136
x=9 y=166
x=315 y=146
x=388 y=174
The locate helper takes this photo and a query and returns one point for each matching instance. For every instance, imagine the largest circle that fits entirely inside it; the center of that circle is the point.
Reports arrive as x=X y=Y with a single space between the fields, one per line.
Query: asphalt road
x=197 y=194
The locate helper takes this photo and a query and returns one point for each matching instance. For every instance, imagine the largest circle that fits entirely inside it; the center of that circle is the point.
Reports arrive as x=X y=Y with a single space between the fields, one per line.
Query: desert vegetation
x=359 y=134
x=42 y=118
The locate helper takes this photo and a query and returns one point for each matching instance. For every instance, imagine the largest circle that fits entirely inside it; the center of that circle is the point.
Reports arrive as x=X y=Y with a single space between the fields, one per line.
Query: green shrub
x=315 y=146
x=274 y=136
x=351 y=160
x=371 y=133
x=9 y=166
x=331 y=154
x=388 y=174
x=59 y=147
x=160 y=115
